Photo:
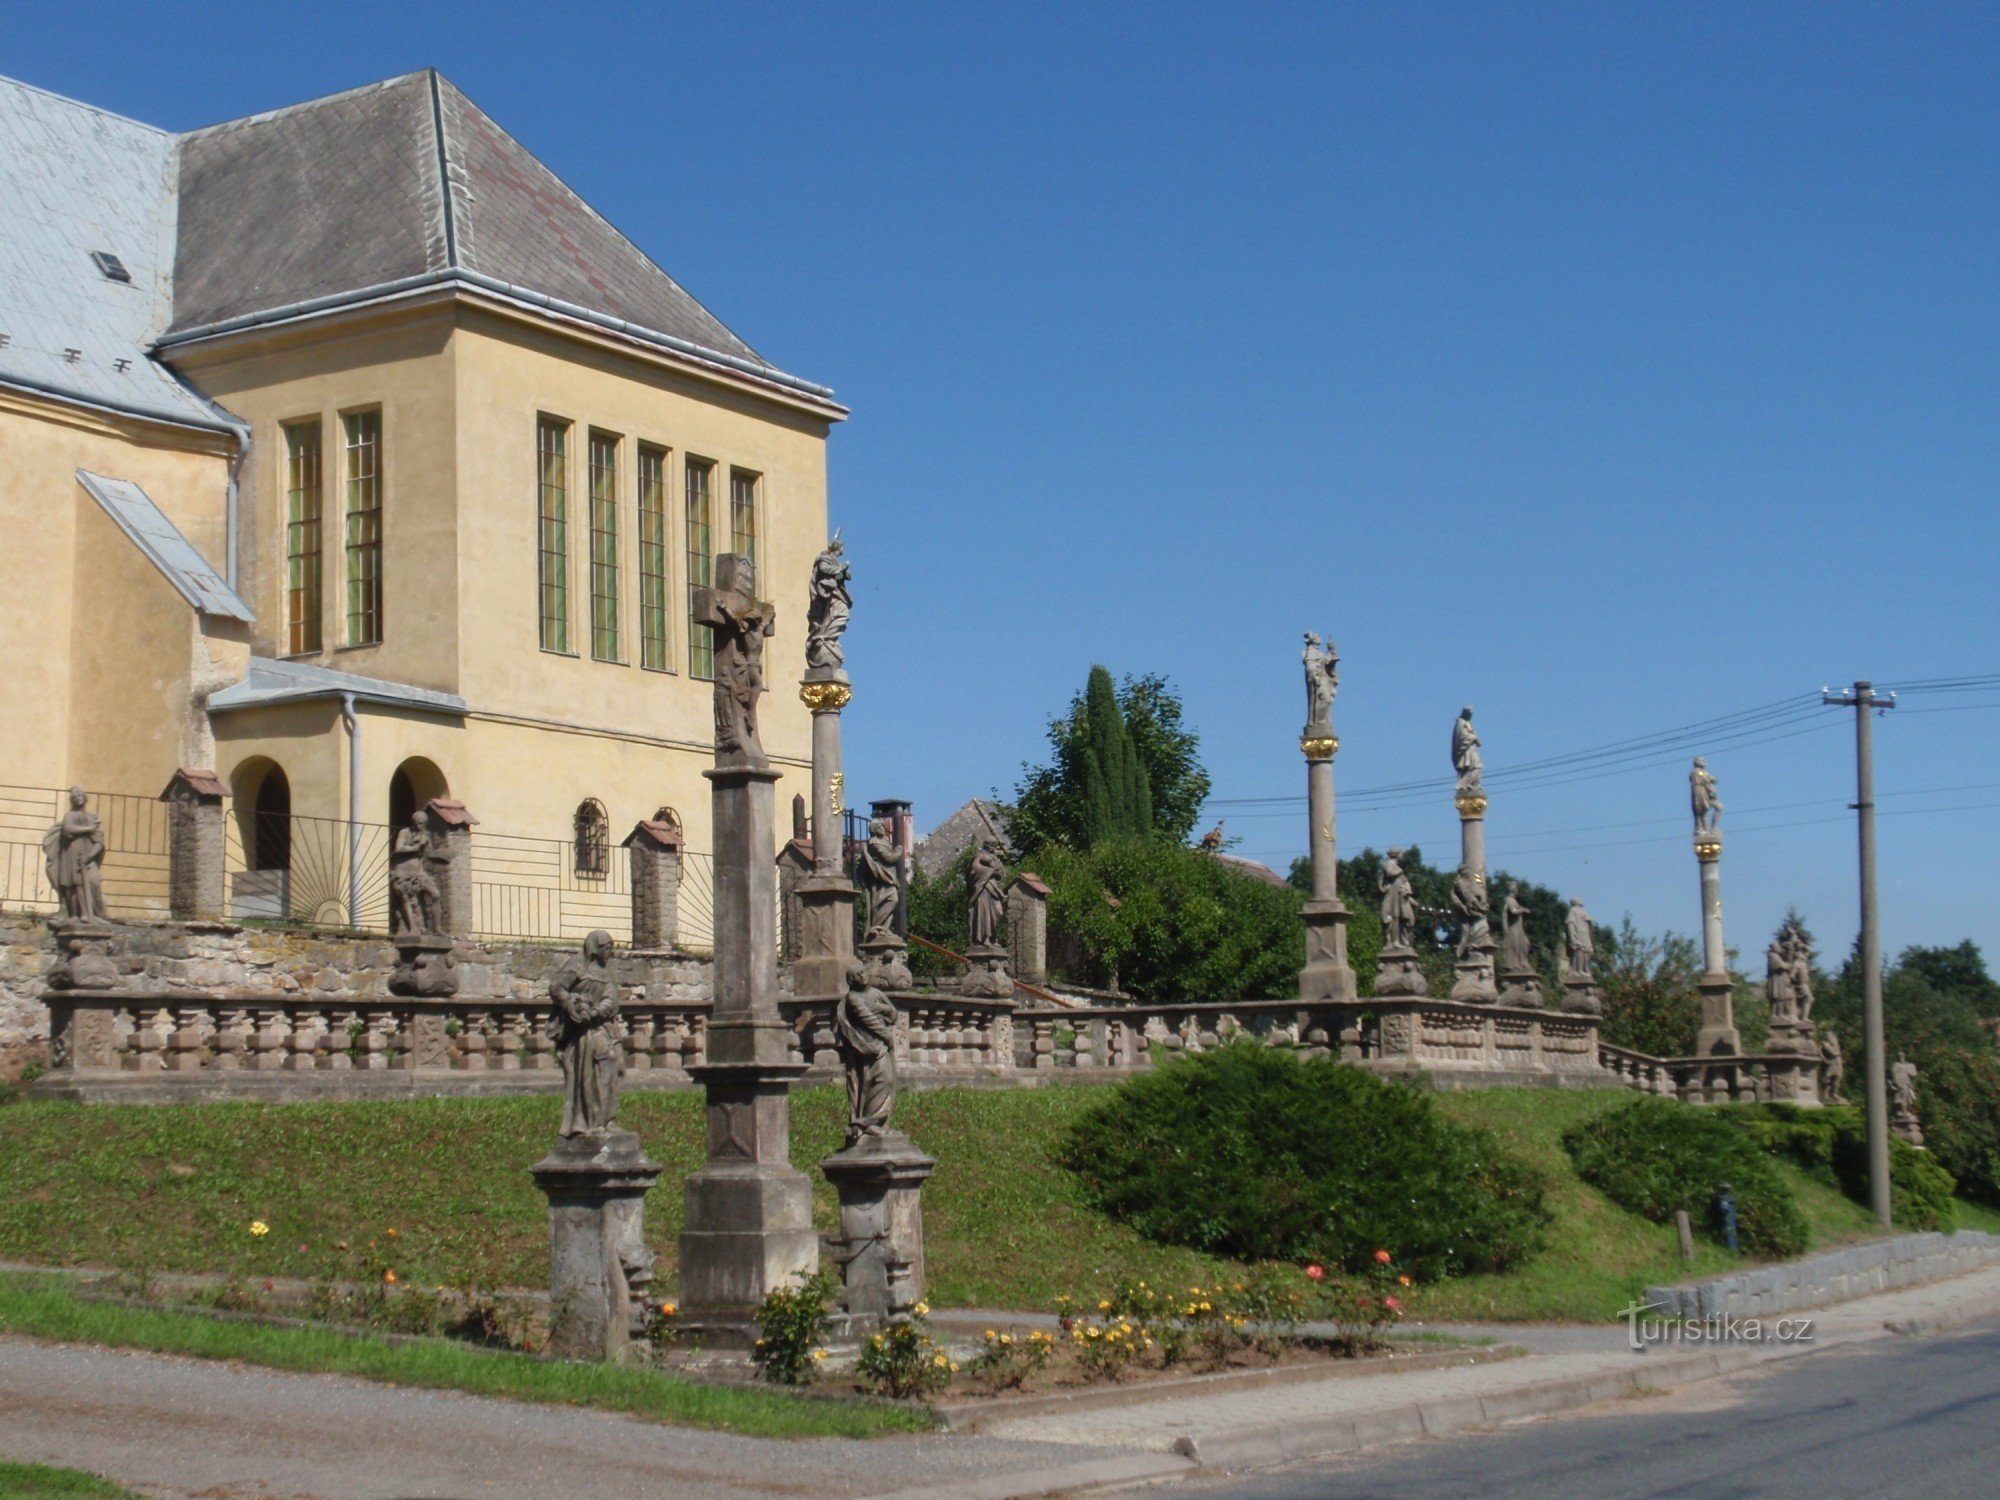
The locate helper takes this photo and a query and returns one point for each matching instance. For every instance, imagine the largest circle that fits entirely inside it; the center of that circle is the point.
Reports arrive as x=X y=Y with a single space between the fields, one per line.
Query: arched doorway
x=262 y=795
x=416 y=784
x=268 y=845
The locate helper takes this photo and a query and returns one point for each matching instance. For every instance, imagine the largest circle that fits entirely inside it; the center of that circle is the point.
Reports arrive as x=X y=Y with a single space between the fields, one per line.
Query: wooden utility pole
x=1862 y=699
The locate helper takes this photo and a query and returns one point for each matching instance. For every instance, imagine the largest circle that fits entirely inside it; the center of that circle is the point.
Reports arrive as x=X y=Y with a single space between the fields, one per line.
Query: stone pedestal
x=1521 y=988
x=880 y=1180
x=888 y=962
x=84 y=951
x=196 y=845
x=1905 y=1128
x=1400 y=973
x=825 y=907
x=986 y=976
x=1028 y=927
x=1718 y=1036
x=600 y=1270
x=451 y=830
x=424 y=965
x=1582 y=997
x=1475 y=983
x=748 y=1228
x=654 y=847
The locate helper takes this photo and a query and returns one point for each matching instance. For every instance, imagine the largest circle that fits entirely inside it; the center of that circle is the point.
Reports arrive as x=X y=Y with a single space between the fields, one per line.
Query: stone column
x=1327 y=974
x=1475 y=966
x=749 y=1211
x=654 y=847
x=1718 y=1036
x=825 y=944
x=451 y=827
x=599 y=1266
x=1028 y=926
x=195 y=846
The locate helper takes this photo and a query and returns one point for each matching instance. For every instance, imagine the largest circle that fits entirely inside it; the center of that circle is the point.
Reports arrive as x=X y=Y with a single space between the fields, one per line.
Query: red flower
x=1314 y=1273
x=1382 y=1257
x=1392 y=1304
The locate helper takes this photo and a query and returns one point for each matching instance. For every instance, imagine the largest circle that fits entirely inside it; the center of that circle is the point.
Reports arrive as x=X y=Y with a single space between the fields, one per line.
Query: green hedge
x=1656 y=1157
x=1252 y=1152
x=1832 y=1144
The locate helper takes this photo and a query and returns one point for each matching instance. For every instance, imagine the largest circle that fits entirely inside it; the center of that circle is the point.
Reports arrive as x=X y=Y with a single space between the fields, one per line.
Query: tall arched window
x=593 y=840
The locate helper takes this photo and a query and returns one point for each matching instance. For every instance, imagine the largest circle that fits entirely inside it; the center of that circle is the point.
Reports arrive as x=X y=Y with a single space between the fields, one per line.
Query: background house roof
x=76 y=180
x=398 y=180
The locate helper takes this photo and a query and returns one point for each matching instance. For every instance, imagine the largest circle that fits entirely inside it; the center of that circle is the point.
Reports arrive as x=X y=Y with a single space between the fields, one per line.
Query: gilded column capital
x=1319 y=746
x=1471 y=806
x=825 y=697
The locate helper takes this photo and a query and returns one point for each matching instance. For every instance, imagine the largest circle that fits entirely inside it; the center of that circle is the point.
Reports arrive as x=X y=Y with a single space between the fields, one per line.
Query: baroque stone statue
x=1469 y=900
x=1832 y=1066
x=1579 y=942
x=1399 y=902
x=1465 y=754
x=739 y=622
x=1322 y=680
x=1515 y=953
x=829 y=607
x=1778 y=978
x=878 y=868
x=584 y=996
x=73 y=851
x=986 y=895
x=413 y=884
x=865 y=1028
x=1702 y=795
x=1802 y=989
x=1903 y=1087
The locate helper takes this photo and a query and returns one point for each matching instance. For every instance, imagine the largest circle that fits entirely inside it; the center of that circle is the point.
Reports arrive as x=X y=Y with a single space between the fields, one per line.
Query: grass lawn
x=176 y=1188
x=43 y=1307
x=33 y=1481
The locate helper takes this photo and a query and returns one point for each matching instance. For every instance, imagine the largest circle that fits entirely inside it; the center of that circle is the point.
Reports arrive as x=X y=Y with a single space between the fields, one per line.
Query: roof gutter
x=405 y=286
x=147 y=414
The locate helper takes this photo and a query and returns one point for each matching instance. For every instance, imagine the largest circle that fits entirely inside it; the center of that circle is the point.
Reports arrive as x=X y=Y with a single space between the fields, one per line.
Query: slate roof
x=401 y=180
x=73 y=180
x=165 y=547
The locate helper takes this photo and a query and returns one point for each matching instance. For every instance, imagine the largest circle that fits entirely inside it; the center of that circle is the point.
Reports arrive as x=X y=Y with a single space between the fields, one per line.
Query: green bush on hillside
x=1832 y=1144
x=1656 y=1157
x=1252 y=1152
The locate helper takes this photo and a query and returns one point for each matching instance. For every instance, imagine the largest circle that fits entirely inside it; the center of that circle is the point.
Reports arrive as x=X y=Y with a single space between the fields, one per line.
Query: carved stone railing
x=1762 y=1078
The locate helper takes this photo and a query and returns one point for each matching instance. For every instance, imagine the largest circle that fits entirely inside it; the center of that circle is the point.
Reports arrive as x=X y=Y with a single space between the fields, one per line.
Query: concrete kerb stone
x=1064 y=1479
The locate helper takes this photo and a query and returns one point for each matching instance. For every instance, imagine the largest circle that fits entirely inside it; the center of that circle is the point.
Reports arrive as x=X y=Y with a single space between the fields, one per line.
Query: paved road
x=182 y=1427
x=1904 y=1418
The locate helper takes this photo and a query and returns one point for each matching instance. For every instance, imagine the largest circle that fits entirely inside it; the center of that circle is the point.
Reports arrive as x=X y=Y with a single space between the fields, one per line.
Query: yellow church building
x=346 y=453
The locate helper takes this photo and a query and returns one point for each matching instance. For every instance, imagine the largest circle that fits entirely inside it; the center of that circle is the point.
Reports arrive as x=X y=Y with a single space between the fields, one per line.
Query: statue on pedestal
x=1465 y=754
x=878 y=868
x=986 y=895
x=1322 y=680
x=739 y=622
x=1399 y=902
x=1516 y=956
x=587 y=1036
x=830 y=605
x=1469 y=900
x=413 y=885
x=865 y=1025
x=1802 y=989
x=1579 y=942
x=1903 y=1121
x=1702 y=794
x=73 y=851
x=1832 y=1067
x=1778 y=979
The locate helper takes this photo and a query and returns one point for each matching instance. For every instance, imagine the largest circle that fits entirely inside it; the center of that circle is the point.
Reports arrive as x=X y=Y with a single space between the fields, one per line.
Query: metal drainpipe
x=353 y=722
x=235 y=482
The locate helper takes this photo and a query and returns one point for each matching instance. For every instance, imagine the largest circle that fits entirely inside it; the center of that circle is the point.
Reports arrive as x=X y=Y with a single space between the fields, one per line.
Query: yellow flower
x=1206 y=1308
x=1007 y=1340
x=991 y=1335
x=259 y=1228
x=389 y=1277
x=819 y=1354
x=941 y=1362
x=922 y=1309
x=1104 y=1306
x=390 y=1233
x=668 y=1310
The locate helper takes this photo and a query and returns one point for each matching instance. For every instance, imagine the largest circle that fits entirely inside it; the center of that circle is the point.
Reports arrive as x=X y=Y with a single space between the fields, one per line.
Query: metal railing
x=134 y=872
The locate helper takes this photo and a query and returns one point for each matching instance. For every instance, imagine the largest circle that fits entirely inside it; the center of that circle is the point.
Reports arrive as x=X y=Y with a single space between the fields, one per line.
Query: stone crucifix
x=740 y=622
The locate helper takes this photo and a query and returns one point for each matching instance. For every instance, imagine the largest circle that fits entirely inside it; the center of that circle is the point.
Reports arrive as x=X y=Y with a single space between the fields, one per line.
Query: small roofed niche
x=416 y=784
x=111 y=266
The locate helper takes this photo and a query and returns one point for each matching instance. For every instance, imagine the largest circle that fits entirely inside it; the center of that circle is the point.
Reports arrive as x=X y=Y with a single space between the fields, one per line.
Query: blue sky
x=1611 y=368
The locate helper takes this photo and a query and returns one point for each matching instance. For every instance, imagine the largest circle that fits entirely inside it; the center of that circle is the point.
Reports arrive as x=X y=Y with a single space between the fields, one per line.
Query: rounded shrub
x=1656 y=1157
x=1253 y=1152
x=1832 y=1144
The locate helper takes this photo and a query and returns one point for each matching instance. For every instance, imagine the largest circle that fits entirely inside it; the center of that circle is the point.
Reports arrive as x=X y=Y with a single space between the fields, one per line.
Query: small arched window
x=593 y=840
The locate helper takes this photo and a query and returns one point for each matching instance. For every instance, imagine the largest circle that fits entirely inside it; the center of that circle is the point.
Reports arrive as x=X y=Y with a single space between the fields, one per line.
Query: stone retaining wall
x=196 y=958
x=1831 y=1276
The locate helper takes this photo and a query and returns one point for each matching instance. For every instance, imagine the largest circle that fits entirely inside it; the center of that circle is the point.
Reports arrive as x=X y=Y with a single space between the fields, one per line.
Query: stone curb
x=1061 y=1479
x=1245 y=1447
x=970 y=1416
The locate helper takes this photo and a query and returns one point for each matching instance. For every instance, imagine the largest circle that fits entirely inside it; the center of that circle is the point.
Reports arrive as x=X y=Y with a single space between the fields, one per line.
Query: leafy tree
x=1123 y=763
x=1651 y=1004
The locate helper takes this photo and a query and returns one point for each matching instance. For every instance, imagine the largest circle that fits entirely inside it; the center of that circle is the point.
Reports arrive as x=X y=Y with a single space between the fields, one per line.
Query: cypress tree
x=1117 y=803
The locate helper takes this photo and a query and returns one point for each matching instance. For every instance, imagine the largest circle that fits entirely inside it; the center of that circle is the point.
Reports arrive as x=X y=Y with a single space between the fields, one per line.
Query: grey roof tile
x=74 y=179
